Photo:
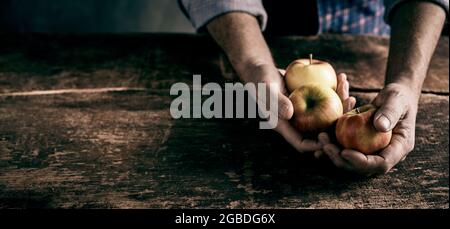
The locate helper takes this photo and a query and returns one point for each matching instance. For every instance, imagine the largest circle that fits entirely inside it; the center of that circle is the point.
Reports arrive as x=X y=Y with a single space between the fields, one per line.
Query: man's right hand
x=269 y=74
x=239 y=35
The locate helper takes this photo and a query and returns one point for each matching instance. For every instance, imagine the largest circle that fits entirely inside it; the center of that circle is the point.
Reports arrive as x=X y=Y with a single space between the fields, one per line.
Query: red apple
x=309 y=71
x=315 y=108
x=355 y=130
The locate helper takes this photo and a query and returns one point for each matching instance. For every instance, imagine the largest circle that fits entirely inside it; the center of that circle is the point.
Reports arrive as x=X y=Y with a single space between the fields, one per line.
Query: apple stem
x=358 y=111
x=310 y=59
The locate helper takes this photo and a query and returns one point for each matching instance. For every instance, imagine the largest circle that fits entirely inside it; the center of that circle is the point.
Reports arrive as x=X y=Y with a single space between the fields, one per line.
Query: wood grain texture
x=38 y=62
x=123 y=150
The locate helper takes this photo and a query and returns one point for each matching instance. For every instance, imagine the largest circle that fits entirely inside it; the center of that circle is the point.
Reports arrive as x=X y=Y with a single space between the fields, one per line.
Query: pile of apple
x=317 y=107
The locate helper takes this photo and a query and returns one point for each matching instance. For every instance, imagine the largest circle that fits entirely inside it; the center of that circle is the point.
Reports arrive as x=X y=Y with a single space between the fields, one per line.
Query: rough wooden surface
x=122 y=149
x=51 y=62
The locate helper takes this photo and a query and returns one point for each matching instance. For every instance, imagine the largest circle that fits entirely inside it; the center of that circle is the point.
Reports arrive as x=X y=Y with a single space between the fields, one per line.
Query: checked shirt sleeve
x=201 y=12
x=391 y=4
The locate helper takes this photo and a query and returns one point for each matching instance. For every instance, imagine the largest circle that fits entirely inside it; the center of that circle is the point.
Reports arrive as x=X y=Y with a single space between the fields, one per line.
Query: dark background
x=86 y=16
x=95 y=16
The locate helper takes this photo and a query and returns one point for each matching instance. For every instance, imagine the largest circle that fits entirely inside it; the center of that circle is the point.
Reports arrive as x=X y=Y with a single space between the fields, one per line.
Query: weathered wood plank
x=38 y=62
x=44 y=62
x=122 y=150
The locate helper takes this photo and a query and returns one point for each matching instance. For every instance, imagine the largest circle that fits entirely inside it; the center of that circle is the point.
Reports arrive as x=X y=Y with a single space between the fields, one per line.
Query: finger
x=389 y=113
x=395 y=152
x=308 y=145
x=341 y=77
x=349 y=104
x=402 y=142
x=294 y=138
x=283 y=86
x=364 y=164
x=318 y=154
x=323 y=138
x=343 y=86
x=285 y=107
x=332 y=152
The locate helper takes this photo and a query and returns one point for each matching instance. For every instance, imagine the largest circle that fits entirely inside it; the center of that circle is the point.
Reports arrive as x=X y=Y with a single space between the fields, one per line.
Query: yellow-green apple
x=315 y=108
x=355 y=130
x=309 y=71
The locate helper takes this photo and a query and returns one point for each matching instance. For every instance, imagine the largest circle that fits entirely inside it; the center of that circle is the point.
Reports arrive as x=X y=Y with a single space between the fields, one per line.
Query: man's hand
x=269 y=74
x=416 y=27
x=397 y=112
x=240 y=37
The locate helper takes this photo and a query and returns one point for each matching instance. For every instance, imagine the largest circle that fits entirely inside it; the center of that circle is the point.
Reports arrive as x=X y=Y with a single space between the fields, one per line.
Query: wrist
x=408 y=80
x=252 y=70
x=404 y=90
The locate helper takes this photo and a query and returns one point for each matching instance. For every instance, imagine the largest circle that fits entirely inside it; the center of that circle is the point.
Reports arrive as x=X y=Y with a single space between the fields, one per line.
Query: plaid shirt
x=352 y=16
x=343 y=16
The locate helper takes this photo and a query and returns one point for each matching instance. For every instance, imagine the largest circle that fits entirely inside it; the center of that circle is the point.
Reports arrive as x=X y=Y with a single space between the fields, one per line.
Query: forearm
x=416 y=27
x=240 y=37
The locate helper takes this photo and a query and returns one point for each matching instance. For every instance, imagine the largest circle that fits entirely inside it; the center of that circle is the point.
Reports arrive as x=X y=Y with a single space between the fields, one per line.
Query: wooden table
x=99 y=148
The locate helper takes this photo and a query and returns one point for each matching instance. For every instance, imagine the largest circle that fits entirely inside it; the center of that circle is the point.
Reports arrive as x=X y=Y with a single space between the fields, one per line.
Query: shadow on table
x=238 y=161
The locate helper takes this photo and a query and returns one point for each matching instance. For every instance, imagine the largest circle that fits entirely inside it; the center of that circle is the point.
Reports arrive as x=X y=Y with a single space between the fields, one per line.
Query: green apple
x=315 y=108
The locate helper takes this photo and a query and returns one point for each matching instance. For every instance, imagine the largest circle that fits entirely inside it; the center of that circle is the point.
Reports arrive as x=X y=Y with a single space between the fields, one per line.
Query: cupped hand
x=397 y=110
x=272 y=76
x=269 y=74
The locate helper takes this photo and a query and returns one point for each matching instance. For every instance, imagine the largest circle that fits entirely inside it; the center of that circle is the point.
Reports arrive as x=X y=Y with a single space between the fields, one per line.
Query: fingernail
x=384 y=122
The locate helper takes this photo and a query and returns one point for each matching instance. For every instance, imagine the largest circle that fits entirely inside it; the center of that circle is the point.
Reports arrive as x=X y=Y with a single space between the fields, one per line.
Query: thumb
x=285 y=107
x=389 y=113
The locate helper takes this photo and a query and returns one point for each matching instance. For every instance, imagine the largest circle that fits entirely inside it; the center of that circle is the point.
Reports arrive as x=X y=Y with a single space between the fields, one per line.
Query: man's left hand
x=397 y=112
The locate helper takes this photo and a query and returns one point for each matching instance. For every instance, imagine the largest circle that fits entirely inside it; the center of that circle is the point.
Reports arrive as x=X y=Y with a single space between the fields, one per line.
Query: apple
x=309 y=71
x=355 y=130
x=315 y=108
